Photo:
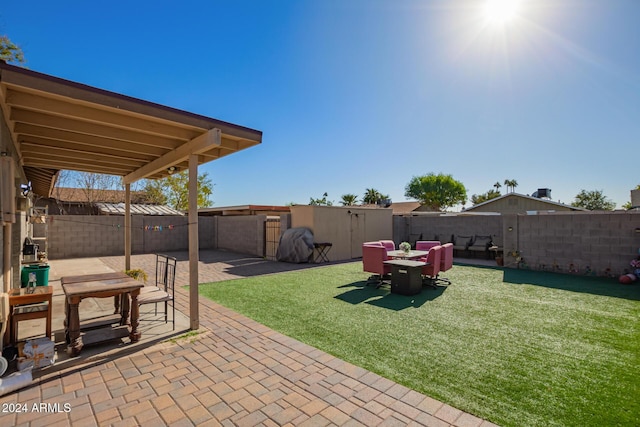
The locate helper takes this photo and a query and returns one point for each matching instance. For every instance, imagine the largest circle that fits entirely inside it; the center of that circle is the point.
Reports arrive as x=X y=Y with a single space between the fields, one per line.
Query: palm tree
x=497 y=186
x=371 y=196
x=511 y=183
x=349 y=199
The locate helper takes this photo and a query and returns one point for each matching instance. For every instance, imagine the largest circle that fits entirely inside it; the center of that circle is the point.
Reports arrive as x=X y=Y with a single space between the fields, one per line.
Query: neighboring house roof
x=243 y=210
x=400 y=208
x=118 y=209
x=83 y=195
x=535 y=201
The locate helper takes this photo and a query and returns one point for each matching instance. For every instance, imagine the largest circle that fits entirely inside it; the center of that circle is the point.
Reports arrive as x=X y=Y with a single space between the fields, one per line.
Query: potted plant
x=405 y=247
x=138 y=274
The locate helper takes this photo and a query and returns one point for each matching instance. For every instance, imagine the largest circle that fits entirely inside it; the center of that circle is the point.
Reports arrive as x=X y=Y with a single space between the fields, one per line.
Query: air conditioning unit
x=635 y=198
x=542 y=192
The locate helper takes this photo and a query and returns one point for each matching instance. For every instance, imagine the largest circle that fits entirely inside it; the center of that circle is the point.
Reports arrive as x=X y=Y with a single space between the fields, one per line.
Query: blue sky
x=357 y=94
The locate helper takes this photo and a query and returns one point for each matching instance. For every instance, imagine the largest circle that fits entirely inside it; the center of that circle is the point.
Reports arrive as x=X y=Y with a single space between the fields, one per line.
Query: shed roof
x=136 y=209
x=58 y=124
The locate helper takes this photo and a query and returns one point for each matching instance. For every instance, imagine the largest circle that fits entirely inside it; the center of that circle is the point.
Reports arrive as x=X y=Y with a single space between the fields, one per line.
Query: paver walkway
x=234 y=372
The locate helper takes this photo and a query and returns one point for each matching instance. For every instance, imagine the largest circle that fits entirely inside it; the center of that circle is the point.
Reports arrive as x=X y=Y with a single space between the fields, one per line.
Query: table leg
x=73 y=319
x=7 y=333
x=124 y=309
x=116 y=304
x=134 y=336
x=66 y=321
x=49 y=310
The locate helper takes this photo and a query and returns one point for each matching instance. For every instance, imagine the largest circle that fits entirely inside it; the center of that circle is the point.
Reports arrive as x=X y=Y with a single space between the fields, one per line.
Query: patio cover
x=58 y=124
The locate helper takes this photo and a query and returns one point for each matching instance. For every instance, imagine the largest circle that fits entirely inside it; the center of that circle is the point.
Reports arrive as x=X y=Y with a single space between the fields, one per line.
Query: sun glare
x=501 y=11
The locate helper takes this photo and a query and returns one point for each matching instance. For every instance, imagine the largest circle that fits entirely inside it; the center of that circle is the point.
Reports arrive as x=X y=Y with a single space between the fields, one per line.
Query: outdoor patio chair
x=163 y=291
x=389 y=245
x=425 y=245
x=446 y=262
x=373 y=258
x=431 y=270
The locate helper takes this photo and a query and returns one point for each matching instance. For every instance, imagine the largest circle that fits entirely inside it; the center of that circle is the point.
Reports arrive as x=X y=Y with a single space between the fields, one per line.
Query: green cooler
x=41 y=271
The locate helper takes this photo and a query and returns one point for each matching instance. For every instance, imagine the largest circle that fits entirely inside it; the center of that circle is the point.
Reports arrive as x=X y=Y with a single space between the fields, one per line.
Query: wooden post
x=193 y=241
x=127 y=226
x=6 y=267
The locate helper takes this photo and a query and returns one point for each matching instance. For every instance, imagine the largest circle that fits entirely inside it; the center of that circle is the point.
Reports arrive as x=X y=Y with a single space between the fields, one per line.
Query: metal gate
x=271 y=238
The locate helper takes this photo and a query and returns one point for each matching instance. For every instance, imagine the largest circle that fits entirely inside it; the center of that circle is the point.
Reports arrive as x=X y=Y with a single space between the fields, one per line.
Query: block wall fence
x=598 y=243
x=76 y=236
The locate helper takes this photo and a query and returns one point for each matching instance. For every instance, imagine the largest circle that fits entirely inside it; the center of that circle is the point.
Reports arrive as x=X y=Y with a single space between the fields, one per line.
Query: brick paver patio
x=234 y=372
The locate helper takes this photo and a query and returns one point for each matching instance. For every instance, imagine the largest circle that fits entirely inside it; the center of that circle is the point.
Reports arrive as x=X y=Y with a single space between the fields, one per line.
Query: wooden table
x=99 y=286
x=407 y=255
x=117 y=300
x=38 y=294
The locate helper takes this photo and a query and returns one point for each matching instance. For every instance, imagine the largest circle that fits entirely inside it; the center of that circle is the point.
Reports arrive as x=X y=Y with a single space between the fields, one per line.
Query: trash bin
x=41 y=271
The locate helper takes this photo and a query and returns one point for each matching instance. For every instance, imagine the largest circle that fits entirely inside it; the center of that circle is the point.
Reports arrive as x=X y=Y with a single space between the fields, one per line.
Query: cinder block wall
x=243 y=234
x=76 y=236
x=165 y=234
x=600 y=243
x=412 y=228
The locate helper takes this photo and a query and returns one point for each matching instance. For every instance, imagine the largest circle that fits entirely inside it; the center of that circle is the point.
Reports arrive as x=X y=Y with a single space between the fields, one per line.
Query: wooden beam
x=93 y=113
x=193 y=242
x=105 y=130
x=201 y=143
x=127 y=226
x=82 y=142
x=6 y=262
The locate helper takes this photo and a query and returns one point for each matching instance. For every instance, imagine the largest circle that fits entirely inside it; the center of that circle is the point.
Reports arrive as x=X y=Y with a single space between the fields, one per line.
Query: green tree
x=497 y=186
x=9 y=52
x=174 y=190
x=321 y=202
x=437 y=192
x=511 y=184
x=373 y=196
x=349 y=199
x=481 y=198
x=593 y=200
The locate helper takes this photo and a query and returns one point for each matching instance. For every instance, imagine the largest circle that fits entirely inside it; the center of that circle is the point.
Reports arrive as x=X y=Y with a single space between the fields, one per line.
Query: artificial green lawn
x=518 y=348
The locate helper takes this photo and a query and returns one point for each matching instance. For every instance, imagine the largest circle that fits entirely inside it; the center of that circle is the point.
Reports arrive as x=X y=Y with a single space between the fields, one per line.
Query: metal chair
x=163 y=291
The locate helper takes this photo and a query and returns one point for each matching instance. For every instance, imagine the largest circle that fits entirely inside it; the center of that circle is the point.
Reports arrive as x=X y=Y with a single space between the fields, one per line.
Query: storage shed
x=345 y=227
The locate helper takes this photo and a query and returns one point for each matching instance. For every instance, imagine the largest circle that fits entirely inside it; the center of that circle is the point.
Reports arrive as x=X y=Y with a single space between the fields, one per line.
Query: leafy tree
x=373 y=196
x=593 y=200
x=174 y=190
x=511 y=183
x=9 y=52
x=321 y=202
x=437 y=192
x=349 y=199
x=95 y=186
x=491 y=194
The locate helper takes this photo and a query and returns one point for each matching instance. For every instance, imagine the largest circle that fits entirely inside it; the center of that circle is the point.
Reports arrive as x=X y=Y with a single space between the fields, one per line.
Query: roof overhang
x=57 y=124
